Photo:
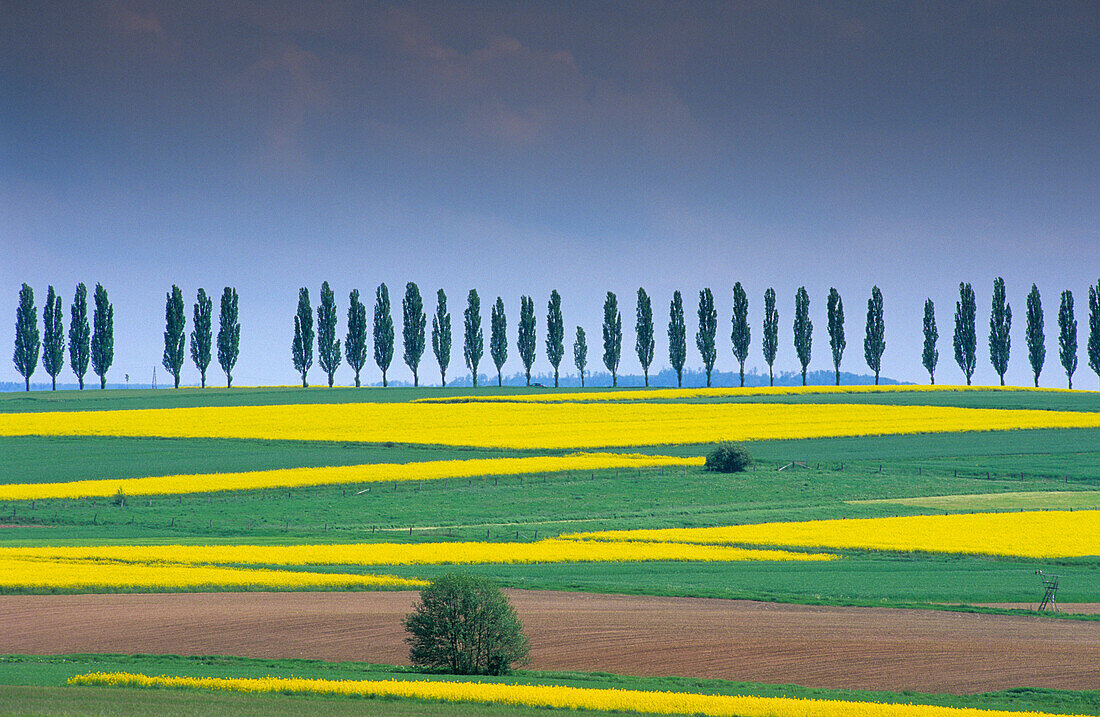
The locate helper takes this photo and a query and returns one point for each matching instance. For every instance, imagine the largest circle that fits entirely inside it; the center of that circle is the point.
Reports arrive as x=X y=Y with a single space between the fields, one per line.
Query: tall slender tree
x=677 y=337
x=1036 y=339
x=441 y=335
x=412 y=331
x=473 y=339
x=229 y=334
x=328 y=346
x=1067 y=336
x=202 y=334
x=79 y=334
x=383 y=331
x=708 y=330
x=835 y=306
x=525 y=338
x=26 y=335
x=931 y=355
x=103 y=335
x=874 y=341
x=612 y=336
x=301 y=349
x=580 y=353
x=1000 y=323
x=174 y=333
x=355 y=342
x=803 y=329
x=770 y=341
x=498 y=336
x=965 y=340
x=1094 y=328
x=555 y=333
x=53 y=337
x=741 y=333
x=643 y=332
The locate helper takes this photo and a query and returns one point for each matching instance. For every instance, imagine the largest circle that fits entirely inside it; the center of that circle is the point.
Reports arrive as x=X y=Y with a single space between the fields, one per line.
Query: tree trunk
x=1002 y=379
x=357 y=379
x=742 y=374
x=304 y=384
x=803 y=376
x=498 y=377
x=229 y=380
x=203 y=385
x=614 y=380
x=582 y=379
x=28 y=380
x=416 y=379
x=1036 y=380
x=81 y=380
x=876 y=377
x=330 y=380
x=771 y=378
x=646 y=371
x=838 y=377
x=53 y=383
x=384 y=383
x=932 y=378
x=103 y=382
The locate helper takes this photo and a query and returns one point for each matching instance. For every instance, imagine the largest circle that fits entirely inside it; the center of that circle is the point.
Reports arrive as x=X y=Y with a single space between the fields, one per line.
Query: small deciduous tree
x=1067 y=336
x=525 y=336
x=741 y=333
x=1094 y=328
x=874 y=341
x=728 y=457
x=930 y=356
x=103 y=335
x=328 y=346
x=835 y=306
x=355 y=342
x=803 y=329
x=301 y=349
x=770 y=342
x=677 y=337
x=441 y=335
x=965 y=340
x=708 y=330
x=174 y=333
x=229 y=334
x=53 y=336
x=580 y=353
x=26 y=335
x=473 y=339
x=80 y=334
x=465 y=625
x=383 y=331
x=1000 y=324
x=643 y=332
x=498 y=336
x=555 y=333
x=202 y=335
x=1036 y=339
x=612 y=336
x=414 y=322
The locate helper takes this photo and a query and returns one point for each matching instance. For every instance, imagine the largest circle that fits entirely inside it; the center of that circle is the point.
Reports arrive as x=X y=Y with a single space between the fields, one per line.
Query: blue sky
x=520 y=147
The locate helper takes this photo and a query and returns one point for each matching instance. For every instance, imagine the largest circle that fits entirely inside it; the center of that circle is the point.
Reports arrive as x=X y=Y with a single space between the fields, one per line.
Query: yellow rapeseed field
x=1037 y=534
x=538 y=425
x=370 y=473
x=552 y=696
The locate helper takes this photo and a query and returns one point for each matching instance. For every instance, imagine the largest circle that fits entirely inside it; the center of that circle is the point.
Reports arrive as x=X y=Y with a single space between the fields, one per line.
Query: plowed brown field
x=864 y=648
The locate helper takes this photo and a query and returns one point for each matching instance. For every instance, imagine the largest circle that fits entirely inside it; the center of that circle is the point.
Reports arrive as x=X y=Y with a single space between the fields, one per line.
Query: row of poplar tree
x=98 y=344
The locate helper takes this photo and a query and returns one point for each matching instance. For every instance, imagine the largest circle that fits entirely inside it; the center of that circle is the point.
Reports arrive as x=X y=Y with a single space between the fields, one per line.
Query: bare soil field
x=838 y=647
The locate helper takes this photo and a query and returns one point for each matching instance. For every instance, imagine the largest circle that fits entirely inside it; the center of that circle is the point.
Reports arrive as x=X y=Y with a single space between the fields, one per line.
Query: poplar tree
x=708 y=329
x=803 y=329
x=103 y=335
x=202 y=334
x=79 y=334
x=612 y=336
x=328 y=346
x=1094 y=328
x=26 y=335
x=355 y=342
x=383 y=331
x=580 y=353
x=441 y=335
x=229 y=334
x=643 y=332
x=965 y=339
x=1000 y=323
x=740 y=334
x=174 y=333
x=931 y=355
x=677 y=337
x=1067 y=336
x=53 y=337
x=555 y=333
x=874 y=341
x=302 y=347
x=1036 y=339
x=836 y=330
x=770 y=341
x=498 y=337
x=473 y=341
x=525 y=338
x=414 y=321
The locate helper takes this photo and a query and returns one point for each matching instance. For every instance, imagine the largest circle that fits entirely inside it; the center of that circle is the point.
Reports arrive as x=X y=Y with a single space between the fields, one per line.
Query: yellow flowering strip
x=467 y=553
x=553 y=696
x=89 y=574
x=538 y=425
x=333 y=475
x=1039 y=534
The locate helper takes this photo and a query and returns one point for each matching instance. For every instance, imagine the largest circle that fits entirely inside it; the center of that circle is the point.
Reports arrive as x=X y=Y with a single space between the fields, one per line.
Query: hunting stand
x=1050 y=582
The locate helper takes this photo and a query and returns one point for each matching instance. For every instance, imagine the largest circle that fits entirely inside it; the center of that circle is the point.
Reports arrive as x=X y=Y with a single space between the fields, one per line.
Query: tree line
x=98 y=344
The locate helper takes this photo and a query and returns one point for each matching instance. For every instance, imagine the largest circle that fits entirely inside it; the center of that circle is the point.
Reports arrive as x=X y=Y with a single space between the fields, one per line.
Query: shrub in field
x=464 y=624
x=728 y=457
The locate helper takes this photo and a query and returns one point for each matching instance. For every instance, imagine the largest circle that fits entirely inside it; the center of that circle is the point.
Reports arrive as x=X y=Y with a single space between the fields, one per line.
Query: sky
x=520 y=147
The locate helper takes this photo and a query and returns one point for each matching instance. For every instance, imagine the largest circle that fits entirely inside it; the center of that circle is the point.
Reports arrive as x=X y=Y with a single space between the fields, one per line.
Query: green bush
x=728 y=458
x=464 y=624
